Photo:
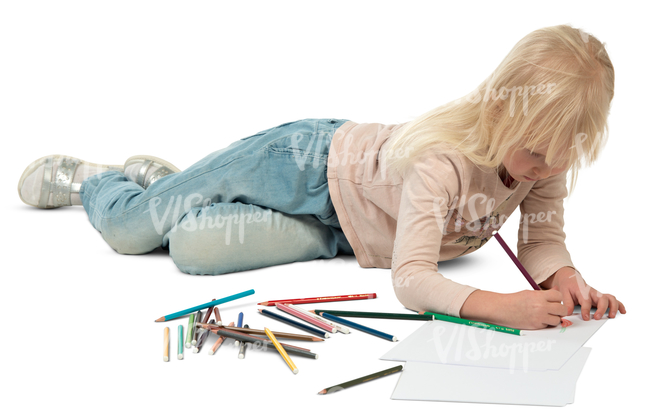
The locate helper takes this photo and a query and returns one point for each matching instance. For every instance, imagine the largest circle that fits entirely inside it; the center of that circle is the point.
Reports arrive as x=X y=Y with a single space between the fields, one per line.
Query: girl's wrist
x=484 y=306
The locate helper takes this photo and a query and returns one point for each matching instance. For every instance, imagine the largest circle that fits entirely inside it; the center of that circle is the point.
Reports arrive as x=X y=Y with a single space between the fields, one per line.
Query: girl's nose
x=543 y=171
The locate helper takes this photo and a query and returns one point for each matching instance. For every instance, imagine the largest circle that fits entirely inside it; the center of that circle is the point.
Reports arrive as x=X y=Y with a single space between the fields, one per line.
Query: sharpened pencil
x=179 y=352
x=288 y=309
x=166 y=345
x=380 y=315
x=190 y=332
x=476 y=324
x=242 y=347
x=265 y=343
x=281 y=350
x=217 y=316
x=512 y=256
x=360 y=380
x=205 y=305
x=339 y=298
x=202 y=338
x=240 y=320
x=285 y=335
x=292 y=322
x=218 y=343
x=360 y=327
x=198 y=317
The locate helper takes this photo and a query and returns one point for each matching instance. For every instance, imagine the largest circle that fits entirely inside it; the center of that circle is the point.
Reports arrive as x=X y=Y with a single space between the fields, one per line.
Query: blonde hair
x=554 y=87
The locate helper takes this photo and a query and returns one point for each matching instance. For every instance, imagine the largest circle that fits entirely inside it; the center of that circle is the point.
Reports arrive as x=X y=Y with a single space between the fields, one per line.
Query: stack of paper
x=451 y=362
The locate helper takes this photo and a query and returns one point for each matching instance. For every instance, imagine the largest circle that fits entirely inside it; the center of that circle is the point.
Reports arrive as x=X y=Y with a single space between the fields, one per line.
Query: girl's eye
x=536 y=154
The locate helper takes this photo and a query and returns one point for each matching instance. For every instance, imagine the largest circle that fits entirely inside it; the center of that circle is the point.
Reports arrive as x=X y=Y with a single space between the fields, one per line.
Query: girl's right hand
x=533 y=309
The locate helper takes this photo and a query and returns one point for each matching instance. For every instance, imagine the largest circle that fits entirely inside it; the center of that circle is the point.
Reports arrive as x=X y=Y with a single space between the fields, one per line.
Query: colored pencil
x=240 y=320
x=217 y=316
x=520 y=266
x=380 y=315
x=360 y=380
x=205 y=305
x=358 y=326
x=202 y=338
x=242 y=347
x=166 y=345
x=179 y=351
x=297 y=324
x=339 y=298
x=281 y=350
x=338 y=327
x=285 y=335
x=218 y=343
x=198 y=318
x=207 y=316
x=265 y=343
x=255 y=337
x=190 y=332
x=306 y=318
x=447 y=318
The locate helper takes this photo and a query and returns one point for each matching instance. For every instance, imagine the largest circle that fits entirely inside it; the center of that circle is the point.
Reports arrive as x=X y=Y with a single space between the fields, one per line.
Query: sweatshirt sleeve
x=540 y=247
x=428 y=188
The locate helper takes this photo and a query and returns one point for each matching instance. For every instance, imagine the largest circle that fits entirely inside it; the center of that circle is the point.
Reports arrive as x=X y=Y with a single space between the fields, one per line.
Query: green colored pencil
x=190 y=332
x=360 y=380
x=380 y=315
x=447 y=318
x=180 y=342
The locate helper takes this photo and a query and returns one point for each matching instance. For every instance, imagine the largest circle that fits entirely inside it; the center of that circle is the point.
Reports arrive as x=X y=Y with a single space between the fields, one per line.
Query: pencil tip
x=322 y=391
x=160 y=319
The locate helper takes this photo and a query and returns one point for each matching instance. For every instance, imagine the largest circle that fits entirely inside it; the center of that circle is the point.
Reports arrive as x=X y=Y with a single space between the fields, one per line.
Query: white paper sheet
x=456 y=383
x=449 y=343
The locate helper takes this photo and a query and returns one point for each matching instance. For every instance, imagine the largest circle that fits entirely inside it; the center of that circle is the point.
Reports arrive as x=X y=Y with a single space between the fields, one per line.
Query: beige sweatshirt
x=442 y=208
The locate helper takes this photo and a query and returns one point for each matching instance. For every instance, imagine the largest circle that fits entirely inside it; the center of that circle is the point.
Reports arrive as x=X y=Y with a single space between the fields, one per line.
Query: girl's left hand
x=575 y=291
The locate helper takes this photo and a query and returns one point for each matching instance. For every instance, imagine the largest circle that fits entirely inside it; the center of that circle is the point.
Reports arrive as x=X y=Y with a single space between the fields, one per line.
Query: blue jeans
x=262 y=201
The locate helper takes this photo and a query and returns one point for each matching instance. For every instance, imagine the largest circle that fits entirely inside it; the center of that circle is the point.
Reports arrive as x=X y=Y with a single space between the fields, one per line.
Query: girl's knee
x=217 y=239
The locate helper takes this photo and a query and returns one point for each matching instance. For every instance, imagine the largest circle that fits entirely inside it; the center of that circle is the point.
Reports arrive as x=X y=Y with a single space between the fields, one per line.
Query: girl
x=404 y=196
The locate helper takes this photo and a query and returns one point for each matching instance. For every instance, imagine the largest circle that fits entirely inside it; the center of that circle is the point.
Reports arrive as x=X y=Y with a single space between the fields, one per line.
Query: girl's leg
x=283 y=168
x=232 y=237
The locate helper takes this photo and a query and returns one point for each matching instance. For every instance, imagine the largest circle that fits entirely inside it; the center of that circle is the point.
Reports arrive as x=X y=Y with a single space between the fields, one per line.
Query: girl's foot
x=145 y=170
x=54 y=181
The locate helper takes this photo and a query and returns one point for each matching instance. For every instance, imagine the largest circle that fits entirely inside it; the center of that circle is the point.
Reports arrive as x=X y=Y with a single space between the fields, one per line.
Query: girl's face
x=525 y=166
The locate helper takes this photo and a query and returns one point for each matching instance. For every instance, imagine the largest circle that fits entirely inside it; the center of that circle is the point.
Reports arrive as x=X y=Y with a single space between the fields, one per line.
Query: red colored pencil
x=321 y=299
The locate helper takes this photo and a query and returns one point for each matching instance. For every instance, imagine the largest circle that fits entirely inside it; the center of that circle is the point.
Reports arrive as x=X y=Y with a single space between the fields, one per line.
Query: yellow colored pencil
x=281 y=350
x=166 y=345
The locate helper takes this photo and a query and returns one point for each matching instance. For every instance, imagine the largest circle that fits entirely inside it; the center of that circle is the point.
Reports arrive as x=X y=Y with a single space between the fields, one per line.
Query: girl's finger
x=568 y=302
x=603 y=302
x=613 y=306
x=585 y=307
x=621 y=307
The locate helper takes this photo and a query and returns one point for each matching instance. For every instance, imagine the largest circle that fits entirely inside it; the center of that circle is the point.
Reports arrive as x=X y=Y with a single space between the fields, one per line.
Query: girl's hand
x=533 y=309
x=575 y=291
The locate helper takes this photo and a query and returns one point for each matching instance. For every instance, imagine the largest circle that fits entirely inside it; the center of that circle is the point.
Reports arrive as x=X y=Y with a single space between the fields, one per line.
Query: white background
x=103 y=81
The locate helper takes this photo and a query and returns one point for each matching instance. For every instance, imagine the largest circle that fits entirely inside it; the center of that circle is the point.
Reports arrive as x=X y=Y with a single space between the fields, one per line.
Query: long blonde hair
x=556 y=83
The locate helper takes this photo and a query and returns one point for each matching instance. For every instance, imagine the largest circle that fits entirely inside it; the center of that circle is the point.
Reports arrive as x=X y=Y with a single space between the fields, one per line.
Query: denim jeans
x=262 y=201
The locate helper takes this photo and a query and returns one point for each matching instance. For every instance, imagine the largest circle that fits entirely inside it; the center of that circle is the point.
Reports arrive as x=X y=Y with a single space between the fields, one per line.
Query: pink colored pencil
x=297 y=314
x=218 y=343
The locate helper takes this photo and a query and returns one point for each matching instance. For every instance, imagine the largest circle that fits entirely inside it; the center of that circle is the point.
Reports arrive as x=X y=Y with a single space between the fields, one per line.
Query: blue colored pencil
x=297 y=324
x=240 y=321
x=205 y=305
x=357 y=326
